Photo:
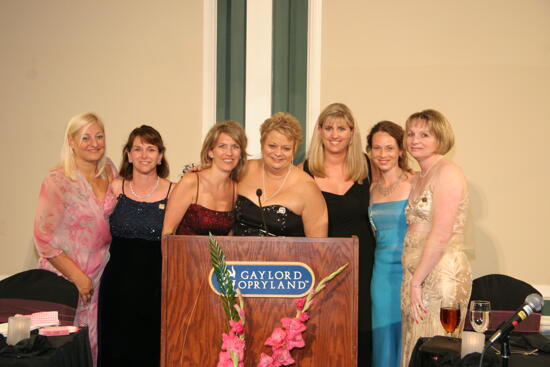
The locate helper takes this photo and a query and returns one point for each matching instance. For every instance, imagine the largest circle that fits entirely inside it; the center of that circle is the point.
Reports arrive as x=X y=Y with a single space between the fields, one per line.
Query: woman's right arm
x=178 y=202
x=49 y=214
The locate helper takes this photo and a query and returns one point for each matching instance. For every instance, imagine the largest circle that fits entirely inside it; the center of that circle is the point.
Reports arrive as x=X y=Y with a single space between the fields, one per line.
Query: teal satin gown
x=388 y=220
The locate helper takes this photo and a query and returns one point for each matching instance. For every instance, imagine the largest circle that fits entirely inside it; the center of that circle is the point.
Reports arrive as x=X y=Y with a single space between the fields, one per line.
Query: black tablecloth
x=444 y=351
x=54 y=351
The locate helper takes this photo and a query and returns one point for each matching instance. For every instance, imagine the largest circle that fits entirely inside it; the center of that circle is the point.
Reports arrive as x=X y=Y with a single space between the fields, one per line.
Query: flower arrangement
x=281 y=341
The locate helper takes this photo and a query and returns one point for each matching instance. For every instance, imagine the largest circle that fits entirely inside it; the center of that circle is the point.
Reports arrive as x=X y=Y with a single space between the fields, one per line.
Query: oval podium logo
x=268 y=279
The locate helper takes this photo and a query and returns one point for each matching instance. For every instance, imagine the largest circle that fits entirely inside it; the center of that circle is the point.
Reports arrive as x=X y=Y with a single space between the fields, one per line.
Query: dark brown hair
x=151 y=136
x=396 y=132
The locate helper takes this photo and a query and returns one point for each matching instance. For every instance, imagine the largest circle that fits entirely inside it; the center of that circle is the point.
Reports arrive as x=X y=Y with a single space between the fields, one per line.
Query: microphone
x=259 y=195
x=533 y=303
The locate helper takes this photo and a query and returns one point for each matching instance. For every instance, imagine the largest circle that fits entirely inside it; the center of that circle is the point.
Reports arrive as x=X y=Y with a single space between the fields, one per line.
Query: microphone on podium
x=259 y=193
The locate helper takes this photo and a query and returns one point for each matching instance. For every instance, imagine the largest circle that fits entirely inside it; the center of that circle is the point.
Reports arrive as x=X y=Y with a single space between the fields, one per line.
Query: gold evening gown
x=450 y=279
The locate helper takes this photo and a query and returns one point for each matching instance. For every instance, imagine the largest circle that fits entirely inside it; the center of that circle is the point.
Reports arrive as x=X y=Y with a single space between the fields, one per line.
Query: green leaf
x=227 y=292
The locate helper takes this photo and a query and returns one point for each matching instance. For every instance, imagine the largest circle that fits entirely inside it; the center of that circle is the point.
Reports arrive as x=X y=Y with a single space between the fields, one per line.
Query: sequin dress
x=388 y=218
x=129 y=300
x=279 y=220
x=450 y=279
x=199 y=220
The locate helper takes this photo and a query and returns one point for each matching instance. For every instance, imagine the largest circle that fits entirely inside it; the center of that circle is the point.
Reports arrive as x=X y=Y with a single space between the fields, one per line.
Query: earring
x=130 y=161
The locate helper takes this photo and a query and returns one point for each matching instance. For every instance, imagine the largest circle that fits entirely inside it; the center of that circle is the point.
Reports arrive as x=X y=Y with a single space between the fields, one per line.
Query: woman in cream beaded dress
x=435 y=266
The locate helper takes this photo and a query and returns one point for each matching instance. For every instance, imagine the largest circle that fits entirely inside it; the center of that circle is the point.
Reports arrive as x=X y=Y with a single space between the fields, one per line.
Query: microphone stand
x=265 y=232
x=505 y=351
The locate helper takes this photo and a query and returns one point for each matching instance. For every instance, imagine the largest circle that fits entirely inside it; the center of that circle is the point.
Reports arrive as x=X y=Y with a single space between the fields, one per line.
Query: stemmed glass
x=449 y=315
x=479 y=315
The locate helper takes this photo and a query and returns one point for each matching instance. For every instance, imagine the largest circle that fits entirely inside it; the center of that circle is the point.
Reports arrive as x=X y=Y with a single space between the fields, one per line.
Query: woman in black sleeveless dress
x=341 y=170
x=130 y=294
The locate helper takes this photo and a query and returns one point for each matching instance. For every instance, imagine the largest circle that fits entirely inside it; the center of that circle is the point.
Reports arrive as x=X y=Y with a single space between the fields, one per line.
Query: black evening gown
x=348 y=215
x=279 y=220
x=130 y=293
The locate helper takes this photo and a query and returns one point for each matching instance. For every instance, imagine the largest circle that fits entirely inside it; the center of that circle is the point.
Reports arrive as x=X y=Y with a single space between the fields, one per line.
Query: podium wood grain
x=193 y=318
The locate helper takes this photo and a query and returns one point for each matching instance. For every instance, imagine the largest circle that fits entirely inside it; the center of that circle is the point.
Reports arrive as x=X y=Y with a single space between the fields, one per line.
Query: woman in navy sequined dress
x=130 y=293
x=203 y=201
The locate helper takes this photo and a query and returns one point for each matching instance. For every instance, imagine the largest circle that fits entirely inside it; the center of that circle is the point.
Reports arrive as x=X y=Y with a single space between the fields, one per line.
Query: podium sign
x=193 y=319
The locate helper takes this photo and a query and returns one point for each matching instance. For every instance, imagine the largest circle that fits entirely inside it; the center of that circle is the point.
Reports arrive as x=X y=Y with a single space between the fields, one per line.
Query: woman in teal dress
x=388 y=199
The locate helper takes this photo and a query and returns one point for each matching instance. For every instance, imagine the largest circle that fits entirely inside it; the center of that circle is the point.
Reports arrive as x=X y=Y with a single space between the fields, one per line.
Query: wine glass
x=479 y=315
x=449 y=315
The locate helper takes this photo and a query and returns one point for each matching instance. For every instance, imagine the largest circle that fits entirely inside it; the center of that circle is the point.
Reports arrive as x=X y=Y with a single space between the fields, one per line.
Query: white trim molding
x=259 y=25
x=314 y=66
x=209 y=44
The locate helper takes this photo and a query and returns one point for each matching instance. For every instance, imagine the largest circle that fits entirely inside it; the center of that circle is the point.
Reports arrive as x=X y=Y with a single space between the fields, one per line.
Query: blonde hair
x=235 y=131
x=76 y=123
x=285 y=124
x=438 y=124
x=356 y=163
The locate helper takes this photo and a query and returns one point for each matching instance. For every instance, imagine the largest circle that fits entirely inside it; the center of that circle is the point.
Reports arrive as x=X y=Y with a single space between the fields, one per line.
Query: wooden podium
x=193 y=319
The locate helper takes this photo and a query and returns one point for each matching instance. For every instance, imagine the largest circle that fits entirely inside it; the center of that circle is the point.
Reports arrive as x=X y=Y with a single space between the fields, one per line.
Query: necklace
x=386 y=191
x=423 y=174
x=267 y=197
x=148 y=195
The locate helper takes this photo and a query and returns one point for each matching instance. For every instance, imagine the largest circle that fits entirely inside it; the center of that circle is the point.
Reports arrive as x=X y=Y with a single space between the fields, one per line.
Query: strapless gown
x=279 y=220
x=450 y=279
x=388 y=220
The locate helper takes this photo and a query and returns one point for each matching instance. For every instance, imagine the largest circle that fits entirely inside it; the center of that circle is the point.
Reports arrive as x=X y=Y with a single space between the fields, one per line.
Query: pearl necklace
x=267 y=197
x=148 y=195
x=386 y=191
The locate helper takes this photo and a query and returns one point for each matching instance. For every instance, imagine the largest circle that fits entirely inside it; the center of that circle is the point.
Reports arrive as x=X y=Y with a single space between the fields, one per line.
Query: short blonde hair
x=356 y=163
x=438 y=124
x=76 y=123
x=285 y=124
x=236 y=132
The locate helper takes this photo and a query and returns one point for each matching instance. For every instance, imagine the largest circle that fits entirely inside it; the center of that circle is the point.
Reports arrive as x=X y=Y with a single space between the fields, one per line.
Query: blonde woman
x=203 y=201
x=340 y=169
x=275 y=197
x=71 y=230
x=435 y=266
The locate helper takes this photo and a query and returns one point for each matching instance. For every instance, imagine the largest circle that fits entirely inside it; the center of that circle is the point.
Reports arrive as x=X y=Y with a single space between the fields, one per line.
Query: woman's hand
x=417 y=304
x=85 y=287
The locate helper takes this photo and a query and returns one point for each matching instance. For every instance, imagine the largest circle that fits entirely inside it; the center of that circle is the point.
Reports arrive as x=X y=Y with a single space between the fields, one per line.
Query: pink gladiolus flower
x=293 y=325
x=236 y=327
x=233 y=343
x=282 y=357
x=295 y=341
x=303 y=317
x=300 y=302
x=277 y=338
x=265 y=361
x=224 y=360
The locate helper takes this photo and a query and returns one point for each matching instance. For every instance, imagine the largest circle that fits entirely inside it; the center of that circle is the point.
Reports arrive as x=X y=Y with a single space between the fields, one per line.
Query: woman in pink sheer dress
x=71 y=229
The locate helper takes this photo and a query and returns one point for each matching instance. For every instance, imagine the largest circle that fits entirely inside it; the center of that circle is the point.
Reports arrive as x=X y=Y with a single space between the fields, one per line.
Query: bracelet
x=419 y=286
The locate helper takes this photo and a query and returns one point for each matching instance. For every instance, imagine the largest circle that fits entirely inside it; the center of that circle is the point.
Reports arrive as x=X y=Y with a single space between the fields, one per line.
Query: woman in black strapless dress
x=275 y=197
x=340 y=168
x=130 y=293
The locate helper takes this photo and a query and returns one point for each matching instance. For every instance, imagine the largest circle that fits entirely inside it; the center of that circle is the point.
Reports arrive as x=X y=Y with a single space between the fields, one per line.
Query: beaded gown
x=279 y=220
x=450 y=279
x=199 y=220
x=388 y=220
x=348 y=216
x=130 y=295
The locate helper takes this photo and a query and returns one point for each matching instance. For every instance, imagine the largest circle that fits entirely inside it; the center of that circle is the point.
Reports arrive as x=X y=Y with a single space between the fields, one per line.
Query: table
x=68 y=351
x=446 y=352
